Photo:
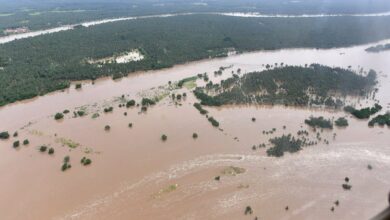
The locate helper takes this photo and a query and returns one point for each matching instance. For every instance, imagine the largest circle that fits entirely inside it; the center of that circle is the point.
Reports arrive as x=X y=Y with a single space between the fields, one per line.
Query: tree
x=58 y=116
x=4 y=135
x=42 y=148
x=130 y=103
x=51 y=151
x=16 y=144
x=194 y=135
x=164 y=137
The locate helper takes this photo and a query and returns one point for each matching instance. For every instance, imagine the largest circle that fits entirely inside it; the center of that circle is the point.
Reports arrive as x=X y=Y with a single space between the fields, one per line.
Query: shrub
x=147 y=102
x=4 y=135
x=194 y=135
x=109 y=109
x=214 y=122
x=51 y=151
x=16 y=144
x=107 y=128
x=42 y=148
x=78 y=86
x=81 y=113
x=286 y=143
x=66 y=111
x=86 y=161
x=341 y=122
x=248 y=210
x=200 y=109
x=130 y=125
x=319 y=122
x=130 y=103
x=26 y=142
x=58 y=116
x=164 y=137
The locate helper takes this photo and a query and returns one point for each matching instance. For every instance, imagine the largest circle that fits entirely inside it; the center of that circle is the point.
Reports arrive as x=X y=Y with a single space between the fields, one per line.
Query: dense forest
x=289 y=85
x=378 y=48
x=41 y=14
x=38 y=65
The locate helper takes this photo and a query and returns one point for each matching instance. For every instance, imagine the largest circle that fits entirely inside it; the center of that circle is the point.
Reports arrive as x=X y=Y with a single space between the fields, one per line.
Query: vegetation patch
x=85 y=161
x=319 y=122
x=341 y=122
x=363 y=113
x=58 y=116
x=289 y=85
x=285 y=143
x=67 y=142
x=4 y=135
x=214 y=122
x=232 y=171
x=168 y=189
x=188 y=83
x=380 y=120
x=200 y=109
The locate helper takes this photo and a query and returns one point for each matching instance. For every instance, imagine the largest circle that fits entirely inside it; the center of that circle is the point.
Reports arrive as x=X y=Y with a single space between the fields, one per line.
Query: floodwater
x=135 y=175
x=10 y=38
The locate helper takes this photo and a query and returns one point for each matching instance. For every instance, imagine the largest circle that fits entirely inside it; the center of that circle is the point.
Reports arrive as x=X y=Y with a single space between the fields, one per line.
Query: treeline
x=46 y=63
x=378 y=48
x=289 y=85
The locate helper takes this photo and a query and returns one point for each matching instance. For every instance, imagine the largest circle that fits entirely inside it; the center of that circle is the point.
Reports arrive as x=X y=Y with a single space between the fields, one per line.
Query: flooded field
x=136 y=175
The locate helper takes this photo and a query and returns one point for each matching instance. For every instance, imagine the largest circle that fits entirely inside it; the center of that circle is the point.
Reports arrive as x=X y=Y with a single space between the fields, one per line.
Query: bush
x=286 y=143
x=200 y=109
x=51 y=151
x=164 y=137
x=26 y=142
x=214 y=122
x=341 y=122
x=81 y=113
x=58 y=116
x=42 y=148
x=86 y=161
x=4 y=135
x=130 y=103
x=147 y=102
x=78 y=86
x=66 y=111
x=109 y=109
x=16 y=144
x=194 y=135
x=248 y=210
x=107 y=128
x=319 y=122
x=130 y=125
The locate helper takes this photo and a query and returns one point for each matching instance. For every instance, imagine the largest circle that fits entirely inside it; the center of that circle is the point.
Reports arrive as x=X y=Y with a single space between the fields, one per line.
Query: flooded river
x=136 y=175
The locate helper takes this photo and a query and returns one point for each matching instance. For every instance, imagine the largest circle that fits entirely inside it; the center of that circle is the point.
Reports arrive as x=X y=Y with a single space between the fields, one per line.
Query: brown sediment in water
x=130 y=166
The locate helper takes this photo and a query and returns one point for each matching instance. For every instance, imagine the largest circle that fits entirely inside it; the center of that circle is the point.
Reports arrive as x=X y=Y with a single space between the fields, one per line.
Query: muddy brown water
x=135 y=175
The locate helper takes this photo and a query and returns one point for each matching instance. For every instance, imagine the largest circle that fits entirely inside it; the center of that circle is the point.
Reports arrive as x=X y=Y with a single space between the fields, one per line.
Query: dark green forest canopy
x=41 y=14
x=289 y=85
x=47 y=63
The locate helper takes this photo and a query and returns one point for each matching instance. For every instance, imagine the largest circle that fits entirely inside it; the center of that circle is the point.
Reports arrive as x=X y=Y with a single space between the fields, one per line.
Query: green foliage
x=26 y=142
x=248 y=210
x=147 y=102
x=86 y=161
x=58 y=116
x=81 y=113
x=341 y=122
x=380 y=120
x=66 y=111
x=289 y=85
x=16 y=144
x=130 y=103
x=4 y=135
x=319 y=122
x=364 y=113
x=186 y=80
x=15 y=134
x=42 y=148
x=48 y=63
x=109 y=109
x=51 y=151
x=214 y=122
x=378 y=48
x=164 y=137
x=200 y=109
x=78 y=86
x=285 y=143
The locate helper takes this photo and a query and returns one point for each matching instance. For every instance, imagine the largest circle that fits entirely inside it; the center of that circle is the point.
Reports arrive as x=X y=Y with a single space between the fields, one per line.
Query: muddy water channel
x=136 y=175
